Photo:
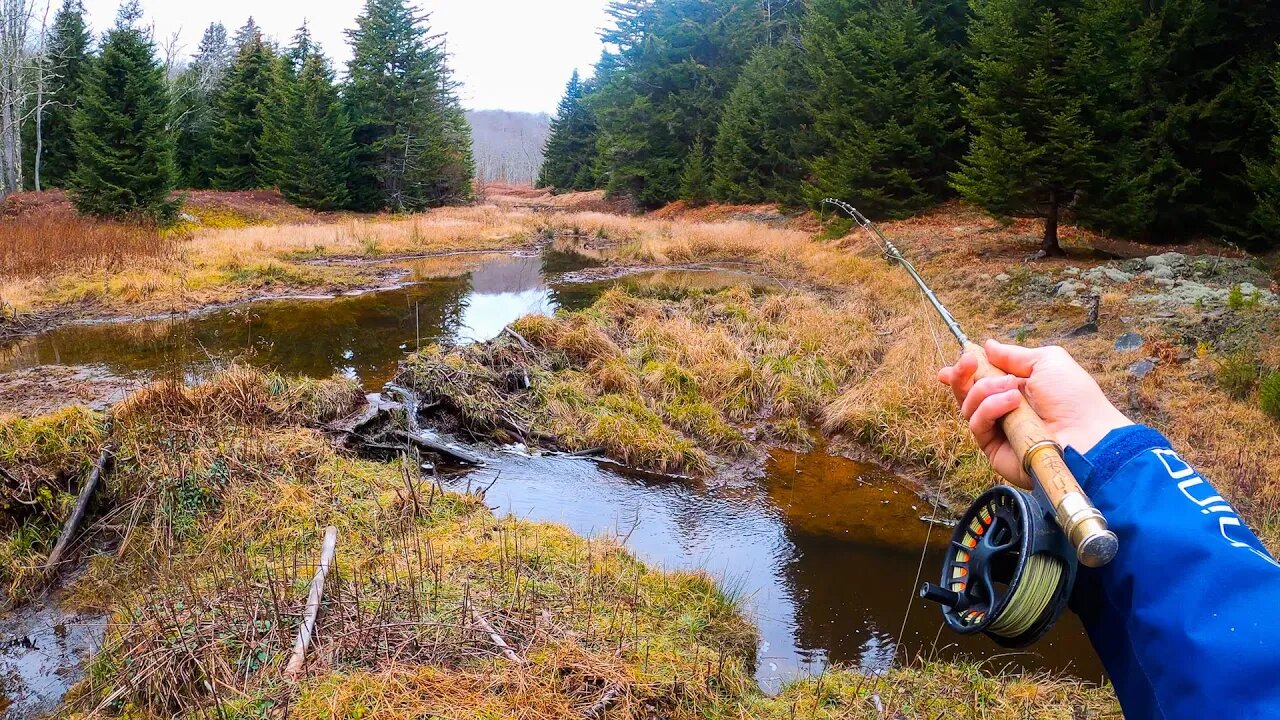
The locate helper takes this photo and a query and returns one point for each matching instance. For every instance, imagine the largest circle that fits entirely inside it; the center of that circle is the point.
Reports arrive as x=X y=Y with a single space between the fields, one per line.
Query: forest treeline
x=121 y=128
x=1157 y=120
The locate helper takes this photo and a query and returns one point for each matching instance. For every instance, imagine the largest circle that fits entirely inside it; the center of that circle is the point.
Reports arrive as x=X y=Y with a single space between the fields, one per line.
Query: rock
x=1020 y=334
x=1116 y=276
x=1161 y=272
x=1166 y=260
x=1164 y=282
x=1129 y=341
x=1003 y=277
x=1072 y=271
x=1083 y=330
x=188 y=218
x=1142 y=368
x=1068 y=289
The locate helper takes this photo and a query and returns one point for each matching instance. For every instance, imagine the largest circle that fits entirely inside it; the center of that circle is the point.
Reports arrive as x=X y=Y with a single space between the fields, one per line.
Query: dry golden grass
x=228 y=261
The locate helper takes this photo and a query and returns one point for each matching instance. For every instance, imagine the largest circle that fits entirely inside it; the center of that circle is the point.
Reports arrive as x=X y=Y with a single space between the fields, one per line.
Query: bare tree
x=43 y=74
x=15 y=24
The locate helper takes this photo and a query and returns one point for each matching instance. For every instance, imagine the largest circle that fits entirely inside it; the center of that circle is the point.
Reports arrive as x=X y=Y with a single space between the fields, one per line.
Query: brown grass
x=30 y=247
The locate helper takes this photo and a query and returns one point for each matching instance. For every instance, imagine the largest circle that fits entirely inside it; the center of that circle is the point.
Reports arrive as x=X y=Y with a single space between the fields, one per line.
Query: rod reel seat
x=1009 y=570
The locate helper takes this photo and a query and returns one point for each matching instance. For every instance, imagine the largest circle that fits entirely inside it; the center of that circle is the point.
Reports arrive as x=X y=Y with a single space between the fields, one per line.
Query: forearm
x=1185 y=618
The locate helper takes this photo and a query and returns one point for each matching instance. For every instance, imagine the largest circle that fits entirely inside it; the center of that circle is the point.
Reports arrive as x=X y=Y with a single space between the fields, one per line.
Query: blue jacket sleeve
x=1187 y=617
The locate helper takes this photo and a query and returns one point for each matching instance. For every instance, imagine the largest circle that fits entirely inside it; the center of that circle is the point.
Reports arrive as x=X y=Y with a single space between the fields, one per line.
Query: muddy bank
x=43 y=649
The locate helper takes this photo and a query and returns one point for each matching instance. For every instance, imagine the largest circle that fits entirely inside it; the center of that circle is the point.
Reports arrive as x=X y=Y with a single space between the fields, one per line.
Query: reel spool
x=1009 y=570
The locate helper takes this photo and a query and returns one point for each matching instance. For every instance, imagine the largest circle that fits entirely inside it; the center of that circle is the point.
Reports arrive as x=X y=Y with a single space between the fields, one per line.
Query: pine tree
x=413 y=144
x=242 y=103
x=570 y=154
x=309 y=138
x=194 y=95
x=69 y=60
x=123 y=143
x=665 y=86
x=1032 y=153
x=885 y=114
x=765 y=136
x=1263 y=226
x=695 y=179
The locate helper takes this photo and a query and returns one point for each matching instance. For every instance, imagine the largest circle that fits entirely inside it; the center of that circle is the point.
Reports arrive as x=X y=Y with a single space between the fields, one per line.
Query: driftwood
x=305 y=633
x=82 y=505
x=495 y=636
x=374 y=429
x=436 y=445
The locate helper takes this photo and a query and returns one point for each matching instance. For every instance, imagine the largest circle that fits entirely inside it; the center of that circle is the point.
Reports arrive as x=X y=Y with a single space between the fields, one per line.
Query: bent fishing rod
x=1014 y=555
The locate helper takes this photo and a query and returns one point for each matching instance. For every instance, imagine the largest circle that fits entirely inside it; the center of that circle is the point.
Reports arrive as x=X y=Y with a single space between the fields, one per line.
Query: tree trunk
x=1049 y=246
x=39 y=132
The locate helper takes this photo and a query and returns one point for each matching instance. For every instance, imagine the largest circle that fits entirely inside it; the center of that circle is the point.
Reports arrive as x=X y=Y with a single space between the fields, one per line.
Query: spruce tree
x=884 y=110
x=308 y=140
x=1032 y=152
x=570 y=154
x=69 y=60
x=241 y=104
x=123 y=141
x=765 y=136
x=195 y=91
x=665 y=86
x=413 y=144
x=1263 y=225
x=695 y=179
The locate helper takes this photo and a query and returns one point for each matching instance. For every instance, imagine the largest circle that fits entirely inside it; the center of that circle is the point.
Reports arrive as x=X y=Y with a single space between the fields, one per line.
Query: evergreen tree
x=413 y=144
x=695 y=180
x=1032 y=152
x=665 y=85
x=570 y=154
x=248 y=33
x=241 y=104
x=309 y=139
x=1263 y=226
x=765 y=136
x=302 y=49
x=885 y=114
x=195 y=90
x=123 y=143
x=68 y=61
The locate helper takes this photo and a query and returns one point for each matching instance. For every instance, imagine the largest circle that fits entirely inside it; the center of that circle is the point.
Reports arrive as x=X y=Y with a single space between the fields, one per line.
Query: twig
x=519 y=338
x=82 y=504
x=599 y=707
x=495 y=636
x=313 y=604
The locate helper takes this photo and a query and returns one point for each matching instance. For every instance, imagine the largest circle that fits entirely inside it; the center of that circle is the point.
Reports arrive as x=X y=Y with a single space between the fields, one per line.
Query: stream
x=822 y=550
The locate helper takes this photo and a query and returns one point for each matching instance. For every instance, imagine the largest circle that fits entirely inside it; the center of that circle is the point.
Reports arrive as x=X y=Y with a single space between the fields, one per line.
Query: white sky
x=509 y=54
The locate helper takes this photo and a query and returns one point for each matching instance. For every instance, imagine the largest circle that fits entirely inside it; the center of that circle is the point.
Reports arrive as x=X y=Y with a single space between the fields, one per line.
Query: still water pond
x=824 y=551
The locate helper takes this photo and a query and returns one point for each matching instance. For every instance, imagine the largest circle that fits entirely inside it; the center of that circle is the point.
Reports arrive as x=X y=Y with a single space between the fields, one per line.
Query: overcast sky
x=509 y=54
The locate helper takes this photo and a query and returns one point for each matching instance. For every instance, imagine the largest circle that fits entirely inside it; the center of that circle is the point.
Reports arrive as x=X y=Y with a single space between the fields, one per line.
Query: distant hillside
x=508 y=145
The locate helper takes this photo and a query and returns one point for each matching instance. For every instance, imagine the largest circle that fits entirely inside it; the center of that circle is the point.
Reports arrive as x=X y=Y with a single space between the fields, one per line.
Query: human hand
x=1064 y=395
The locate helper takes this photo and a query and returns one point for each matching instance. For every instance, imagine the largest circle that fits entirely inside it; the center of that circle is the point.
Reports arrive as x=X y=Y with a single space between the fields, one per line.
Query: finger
x=1014 y=359
x=960 y=376
x=985 y=388
x=985 y=421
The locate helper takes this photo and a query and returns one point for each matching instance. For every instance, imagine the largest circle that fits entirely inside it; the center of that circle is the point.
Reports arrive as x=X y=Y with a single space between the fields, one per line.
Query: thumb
x=1014 y=359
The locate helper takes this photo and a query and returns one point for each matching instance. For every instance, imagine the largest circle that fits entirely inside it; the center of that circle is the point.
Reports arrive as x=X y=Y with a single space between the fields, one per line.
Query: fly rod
x=1013 y=559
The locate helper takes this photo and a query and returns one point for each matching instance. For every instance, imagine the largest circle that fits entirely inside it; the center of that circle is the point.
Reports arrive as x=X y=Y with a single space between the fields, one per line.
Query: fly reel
x=1009 y=570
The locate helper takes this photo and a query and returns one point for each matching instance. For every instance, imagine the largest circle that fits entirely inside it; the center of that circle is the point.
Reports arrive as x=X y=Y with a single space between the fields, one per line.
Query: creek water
x=823 y=551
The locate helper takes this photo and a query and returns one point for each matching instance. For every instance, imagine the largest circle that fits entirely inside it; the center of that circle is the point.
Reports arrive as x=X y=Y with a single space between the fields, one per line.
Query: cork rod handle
x=1043 y=466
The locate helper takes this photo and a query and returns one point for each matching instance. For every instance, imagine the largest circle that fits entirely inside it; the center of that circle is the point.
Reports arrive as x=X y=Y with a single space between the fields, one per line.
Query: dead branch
x=294 y=668
x=599 y=707
x=495 y=636
x=82 y=504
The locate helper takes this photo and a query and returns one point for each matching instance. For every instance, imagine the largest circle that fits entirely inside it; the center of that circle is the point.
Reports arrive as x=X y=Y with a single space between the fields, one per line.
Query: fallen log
x=305 y=633
x=82 y=505
x=450 y=450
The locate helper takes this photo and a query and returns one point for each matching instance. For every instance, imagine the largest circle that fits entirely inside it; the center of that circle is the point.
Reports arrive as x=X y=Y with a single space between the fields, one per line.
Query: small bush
x=1237 y=375
x=1269 y=395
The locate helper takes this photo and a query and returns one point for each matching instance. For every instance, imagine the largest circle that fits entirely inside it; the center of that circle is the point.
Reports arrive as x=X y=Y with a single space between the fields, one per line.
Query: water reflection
x=824 y=550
